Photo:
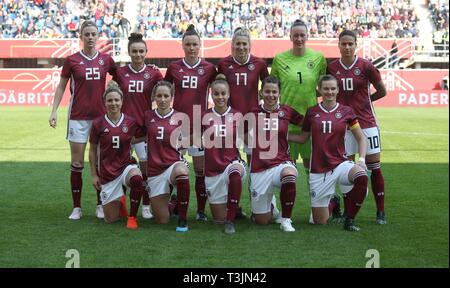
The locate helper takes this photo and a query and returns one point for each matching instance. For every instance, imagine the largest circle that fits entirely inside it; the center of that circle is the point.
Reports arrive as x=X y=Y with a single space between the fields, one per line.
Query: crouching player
x=326 y=124
x=166 y=167
x=224 y=168
x=271 y=165
x=110 y=147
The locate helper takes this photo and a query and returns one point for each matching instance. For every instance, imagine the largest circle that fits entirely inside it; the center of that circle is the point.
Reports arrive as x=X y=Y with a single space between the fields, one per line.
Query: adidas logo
x=106 y=130
x=286 y=68
x=230 y=67
x=317 y=116
x=152 y=121
x=81 y=63
x=181 y=70
x=127 y=75
x=338 y=73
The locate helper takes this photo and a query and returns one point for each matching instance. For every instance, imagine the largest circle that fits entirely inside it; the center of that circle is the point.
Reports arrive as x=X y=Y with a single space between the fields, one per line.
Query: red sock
x=355 y=197
x=234 y=194
x=287 y=195
x=137 y=190
x=183 y=192
x=200 y=192
x=377 y=184
x=76 y=184
x=145 y=197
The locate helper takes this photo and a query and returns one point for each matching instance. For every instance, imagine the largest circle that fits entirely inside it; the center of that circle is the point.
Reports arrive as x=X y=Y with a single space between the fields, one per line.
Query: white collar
x=351 y=66
x=112 y=123
x=326 y=111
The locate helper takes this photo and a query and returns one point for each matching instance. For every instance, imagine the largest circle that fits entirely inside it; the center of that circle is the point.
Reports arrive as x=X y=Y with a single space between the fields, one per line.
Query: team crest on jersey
x=310 y=64
x=71 y=132
x=101 y=62
x=146 y=76
x=338 y=115
x=201 y=71
x=251 y=67
x=230 y=118
x=280 y=114
x=172 y=121
x=357 y=72
x=254 y=193
x=313 y=194
x=124 y=129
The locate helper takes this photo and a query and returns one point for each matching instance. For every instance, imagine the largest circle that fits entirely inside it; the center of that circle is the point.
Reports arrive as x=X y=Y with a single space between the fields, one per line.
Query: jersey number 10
x=347 y=84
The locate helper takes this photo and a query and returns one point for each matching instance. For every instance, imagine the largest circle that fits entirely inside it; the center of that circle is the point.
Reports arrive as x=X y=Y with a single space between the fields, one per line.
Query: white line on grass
x=414 y=133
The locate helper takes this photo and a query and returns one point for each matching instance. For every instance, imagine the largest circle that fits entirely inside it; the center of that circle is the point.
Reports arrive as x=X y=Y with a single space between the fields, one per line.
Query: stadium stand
x=169 y=19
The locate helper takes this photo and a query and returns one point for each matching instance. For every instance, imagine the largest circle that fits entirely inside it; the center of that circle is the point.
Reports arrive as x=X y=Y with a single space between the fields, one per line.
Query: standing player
x=224 y=169
x=299 y=70
x=87 y=72
x=271 y=165
x=326 y=124
x=136 y=81
x=191 y=77
x=243 y=72
x=166 y=166
x=354 y=77
x=110 y=148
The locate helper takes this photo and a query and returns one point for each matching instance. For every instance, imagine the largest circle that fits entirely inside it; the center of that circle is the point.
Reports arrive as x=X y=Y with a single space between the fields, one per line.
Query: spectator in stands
x=272 y=19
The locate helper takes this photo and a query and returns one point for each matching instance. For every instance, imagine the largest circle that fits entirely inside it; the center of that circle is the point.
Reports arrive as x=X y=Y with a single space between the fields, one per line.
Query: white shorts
x=160 y=184
x=217 y=186
x=373 y=141
x=194 y=151
x=141 y=151
x=78 y=130
x=261 y=187
x=113 y=190
x=323 y=185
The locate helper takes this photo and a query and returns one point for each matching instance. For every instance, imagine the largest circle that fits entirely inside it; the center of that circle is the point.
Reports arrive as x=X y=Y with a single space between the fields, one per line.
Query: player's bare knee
x=263 y=219
x=109 y=219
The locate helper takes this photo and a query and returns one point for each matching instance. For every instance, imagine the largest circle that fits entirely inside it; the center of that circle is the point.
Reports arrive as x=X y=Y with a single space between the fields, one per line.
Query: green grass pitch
x=35 y=202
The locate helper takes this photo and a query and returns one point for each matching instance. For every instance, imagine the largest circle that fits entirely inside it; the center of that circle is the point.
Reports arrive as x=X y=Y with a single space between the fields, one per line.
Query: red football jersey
x=272 y=128
x=327 y=130
x=354 y=87
x=137 y=89
x=191 y=84
x=220 y=135
x=114 y=145
x=87 y=83
x=162 y=132
x=243 y=80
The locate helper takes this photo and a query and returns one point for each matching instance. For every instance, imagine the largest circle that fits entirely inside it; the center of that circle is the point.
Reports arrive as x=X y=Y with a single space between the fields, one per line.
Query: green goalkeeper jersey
x=299 y=76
